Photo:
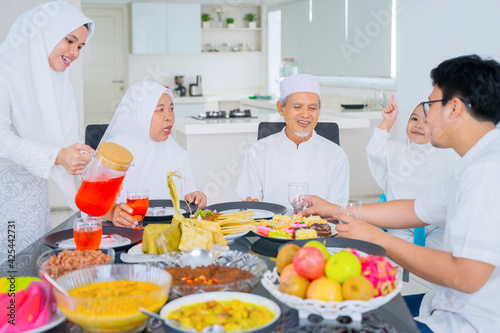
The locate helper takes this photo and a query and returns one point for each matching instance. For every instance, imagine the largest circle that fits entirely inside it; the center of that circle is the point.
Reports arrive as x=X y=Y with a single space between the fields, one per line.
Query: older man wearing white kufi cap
x=297 y=153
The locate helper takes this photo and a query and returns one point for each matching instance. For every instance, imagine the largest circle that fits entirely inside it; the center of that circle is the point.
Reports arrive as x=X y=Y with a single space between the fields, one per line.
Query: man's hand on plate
x=198 y=198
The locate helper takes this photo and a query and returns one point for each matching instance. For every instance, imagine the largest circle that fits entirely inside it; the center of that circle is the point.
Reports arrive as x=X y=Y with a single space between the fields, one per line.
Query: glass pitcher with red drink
x=102 y=179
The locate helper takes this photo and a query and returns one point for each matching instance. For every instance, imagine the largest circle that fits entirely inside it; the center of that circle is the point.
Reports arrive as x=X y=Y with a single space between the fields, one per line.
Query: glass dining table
x=393 y=316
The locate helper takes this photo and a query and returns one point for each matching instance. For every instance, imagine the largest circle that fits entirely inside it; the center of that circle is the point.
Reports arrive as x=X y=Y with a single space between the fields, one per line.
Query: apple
x=358 y=287
x=320 y=246
x=341 y=266
x=309 y=262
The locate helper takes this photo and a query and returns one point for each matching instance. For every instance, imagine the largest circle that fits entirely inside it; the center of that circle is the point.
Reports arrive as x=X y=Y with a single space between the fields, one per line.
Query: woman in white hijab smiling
x=142 y=124
x=38 y=117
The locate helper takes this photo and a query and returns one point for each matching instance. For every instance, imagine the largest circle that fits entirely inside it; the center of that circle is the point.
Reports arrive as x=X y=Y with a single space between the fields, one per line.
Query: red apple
x=309 y=262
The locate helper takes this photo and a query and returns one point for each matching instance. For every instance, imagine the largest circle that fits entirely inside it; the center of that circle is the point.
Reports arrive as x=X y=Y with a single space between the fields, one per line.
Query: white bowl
x=223 y=296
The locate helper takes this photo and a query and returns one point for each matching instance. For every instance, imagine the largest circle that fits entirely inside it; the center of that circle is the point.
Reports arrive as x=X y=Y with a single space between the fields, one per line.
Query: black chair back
x=329 y=131
x=94 y=133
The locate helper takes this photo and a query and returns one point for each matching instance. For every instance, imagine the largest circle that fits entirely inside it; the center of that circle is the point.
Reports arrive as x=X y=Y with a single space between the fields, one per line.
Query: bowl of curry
x=107 y=298
x=234 y=311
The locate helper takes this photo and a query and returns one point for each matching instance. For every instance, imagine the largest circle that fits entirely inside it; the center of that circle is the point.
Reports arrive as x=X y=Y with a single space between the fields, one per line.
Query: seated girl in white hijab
x=407 y=167
x=142 y=124
x=39 y=117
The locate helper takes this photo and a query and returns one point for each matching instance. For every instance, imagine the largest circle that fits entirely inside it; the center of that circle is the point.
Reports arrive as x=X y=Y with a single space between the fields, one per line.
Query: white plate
x=230 y=238
x=59 y=318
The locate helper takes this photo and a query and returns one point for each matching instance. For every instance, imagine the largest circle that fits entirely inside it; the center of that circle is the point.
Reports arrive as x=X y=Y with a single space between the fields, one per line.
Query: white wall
x=429 y=32
x=231 y=71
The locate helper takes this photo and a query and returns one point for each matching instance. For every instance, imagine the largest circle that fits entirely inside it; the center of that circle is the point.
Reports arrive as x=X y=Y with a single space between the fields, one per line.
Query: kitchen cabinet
x=241 y=38
x=166 y=28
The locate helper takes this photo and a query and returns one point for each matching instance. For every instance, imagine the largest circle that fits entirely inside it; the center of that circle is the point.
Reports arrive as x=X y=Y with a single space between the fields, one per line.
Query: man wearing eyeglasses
x=462 y=112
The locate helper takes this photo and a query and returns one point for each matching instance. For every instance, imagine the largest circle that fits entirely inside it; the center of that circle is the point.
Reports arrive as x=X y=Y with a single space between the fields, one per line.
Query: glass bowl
x=73 y=262
x=245 y=261
x=119 y=310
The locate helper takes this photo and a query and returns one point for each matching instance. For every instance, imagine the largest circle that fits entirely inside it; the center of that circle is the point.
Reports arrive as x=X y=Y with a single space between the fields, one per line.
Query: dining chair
x=94 y=133
x=327 y=130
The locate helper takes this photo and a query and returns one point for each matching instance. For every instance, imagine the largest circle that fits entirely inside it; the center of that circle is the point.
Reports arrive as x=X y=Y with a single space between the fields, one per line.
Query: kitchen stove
x=236 y=113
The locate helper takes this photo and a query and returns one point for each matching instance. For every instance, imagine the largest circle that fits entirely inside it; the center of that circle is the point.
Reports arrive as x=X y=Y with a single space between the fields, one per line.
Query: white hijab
x=152 y=160
x=44 y=107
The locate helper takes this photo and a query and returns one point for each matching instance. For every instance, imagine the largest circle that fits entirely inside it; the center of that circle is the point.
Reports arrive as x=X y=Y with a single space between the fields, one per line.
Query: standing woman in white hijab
x=142 y=124
x=38 y=118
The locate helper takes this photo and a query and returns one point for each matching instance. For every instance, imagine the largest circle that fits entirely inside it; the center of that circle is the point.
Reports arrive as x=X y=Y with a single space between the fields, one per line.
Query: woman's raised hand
x=75 y=158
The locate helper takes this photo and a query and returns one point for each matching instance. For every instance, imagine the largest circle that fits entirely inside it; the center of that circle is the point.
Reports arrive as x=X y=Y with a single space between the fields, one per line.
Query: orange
x=295 y=285
x=287 y=272
x=325 y=289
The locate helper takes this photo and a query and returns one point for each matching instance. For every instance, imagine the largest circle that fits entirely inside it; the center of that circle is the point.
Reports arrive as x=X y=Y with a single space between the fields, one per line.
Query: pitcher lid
x=114 y=156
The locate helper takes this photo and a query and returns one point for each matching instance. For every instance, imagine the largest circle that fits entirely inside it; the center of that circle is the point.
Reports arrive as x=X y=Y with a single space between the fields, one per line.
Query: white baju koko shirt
x=404 y=169
x=272 y=163
x=466 y=205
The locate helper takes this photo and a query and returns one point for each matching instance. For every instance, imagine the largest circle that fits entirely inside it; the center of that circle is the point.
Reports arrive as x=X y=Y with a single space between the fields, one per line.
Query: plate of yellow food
x=234 y=311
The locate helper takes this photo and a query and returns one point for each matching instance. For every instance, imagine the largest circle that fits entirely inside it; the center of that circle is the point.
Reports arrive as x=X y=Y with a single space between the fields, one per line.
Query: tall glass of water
x=298 y=196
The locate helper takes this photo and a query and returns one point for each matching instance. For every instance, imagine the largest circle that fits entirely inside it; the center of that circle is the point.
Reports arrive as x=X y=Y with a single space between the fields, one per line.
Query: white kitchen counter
x=191 y=126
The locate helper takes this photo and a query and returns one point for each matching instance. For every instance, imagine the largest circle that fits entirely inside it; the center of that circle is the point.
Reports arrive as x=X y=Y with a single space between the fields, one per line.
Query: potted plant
x=250 y=17
x=206 y=18
x=230 y=22
x=219 y=11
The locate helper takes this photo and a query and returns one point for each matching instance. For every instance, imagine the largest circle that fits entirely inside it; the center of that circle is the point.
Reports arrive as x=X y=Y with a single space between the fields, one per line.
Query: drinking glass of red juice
x=138 y=200
x=87 y=232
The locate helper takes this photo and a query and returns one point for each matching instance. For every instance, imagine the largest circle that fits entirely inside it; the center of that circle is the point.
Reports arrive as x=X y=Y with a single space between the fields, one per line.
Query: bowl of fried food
x=229 y=271
x=221 y=312
x=61 y=261
x=107 y=298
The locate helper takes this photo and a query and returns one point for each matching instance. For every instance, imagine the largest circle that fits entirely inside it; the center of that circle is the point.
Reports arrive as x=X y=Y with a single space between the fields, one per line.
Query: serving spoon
x=196 y=257
x=54 y=284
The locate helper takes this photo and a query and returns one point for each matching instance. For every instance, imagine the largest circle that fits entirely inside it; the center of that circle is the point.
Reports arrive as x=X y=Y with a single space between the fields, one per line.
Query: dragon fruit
x=380 y=273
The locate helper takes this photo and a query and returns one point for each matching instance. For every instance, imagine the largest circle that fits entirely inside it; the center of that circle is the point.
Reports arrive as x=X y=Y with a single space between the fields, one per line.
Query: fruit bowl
x=328 y=310
x=115 y=307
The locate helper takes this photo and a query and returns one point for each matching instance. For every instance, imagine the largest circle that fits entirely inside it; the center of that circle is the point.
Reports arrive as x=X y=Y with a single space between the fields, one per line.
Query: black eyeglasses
x=427 y=105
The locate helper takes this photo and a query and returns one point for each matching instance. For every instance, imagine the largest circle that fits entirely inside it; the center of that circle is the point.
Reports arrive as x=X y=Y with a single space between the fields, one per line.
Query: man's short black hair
x=473 y=79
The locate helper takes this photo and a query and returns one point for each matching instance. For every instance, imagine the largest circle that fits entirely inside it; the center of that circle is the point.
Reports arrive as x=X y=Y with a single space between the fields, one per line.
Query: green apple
x=341 y=266
x=320 y=246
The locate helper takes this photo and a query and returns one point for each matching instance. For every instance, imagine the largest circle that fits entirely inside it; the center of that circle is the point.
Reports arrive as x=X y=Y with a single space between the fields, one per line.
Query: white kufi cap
x=299 y=83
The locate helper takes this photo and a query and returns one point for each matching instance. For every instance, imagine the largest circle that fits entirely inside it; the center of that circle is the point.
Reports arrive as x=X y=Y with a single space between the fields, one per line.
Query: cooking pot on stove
x=237 y=113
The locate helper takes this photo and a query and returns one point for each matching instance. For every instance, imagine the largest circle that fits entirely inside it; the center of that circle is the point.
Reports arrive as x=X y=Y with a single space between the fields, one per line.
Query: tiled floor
x=416 y=285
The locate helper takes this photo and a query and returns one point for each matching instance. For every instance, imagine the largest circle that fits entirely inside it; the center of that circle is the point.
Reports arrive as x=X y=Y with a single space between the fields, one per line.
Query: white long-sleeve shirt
x=466 y=206
x=272 y=163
